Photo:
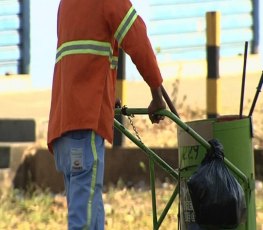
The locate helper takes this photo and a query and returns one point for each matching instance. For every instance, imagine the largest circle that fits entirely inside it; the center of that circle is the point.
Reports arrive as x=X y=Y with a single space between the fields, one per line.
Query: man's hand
x=117 y=103
x=156 y=104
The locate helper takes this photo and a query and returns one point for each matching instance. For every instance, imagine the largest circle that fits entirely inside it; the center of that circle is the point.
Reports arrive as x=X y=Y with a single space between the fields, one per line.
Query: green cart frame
x=155 y=159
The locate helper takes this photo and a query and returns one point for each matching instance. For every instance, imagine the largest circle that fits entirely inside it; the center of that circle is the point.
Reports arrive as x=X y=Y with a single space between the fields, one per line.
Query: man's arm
x=131 y=34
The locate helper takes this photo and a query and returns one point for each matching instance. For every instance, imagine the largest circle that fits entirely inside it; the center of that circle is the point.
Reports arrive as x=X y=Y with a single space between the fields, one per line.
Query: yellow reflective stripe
x=114 y=62
x=93 y=179
x=125 y=25
x=83 y=47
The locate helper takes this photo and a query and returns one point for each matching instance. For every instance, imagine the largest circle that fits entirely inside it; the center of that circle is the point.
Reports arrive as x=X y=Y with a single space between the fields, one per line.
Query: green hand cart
x=235 y=135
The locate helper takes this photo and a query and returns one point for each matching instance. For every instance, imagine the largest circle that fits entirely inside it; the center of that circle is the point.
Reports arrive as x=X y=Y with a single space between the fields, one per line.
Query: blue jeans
x=79 y=155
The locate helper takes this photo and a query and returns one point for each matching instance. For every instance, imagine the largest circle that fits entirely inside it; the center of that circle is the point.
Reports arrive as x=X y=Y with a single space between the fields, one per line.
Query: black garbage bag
x=217 y=197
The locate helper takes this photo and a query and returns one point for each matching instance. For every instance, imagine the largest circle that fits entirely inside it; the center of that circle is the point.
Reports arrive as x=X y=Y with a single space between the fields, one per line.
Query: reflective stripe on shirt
x=125 y=25
x=114 y=62
x=87 y=47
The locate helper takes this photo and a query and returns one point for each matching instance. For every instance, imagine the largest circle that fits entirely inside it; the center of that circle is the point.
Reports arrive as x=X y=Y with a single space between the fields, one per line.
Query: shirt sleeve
x=130 y=31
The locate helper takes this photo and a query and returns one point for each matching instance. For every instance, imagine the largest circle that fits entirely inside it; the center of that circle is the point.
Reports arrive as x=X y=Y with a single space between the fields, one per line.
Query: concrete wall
x=127 y=165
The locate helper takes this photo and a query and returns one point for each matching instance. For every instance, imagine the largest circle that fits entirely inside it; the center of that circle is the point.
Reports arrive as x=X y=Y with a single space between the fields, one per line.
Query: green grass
x=129 y=208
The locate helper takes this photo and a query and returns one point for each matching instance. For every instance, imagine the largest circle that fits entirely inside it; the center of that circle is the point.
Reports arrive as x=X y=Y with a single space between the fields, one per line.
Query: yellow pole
x=213 y=87
x=121 y=95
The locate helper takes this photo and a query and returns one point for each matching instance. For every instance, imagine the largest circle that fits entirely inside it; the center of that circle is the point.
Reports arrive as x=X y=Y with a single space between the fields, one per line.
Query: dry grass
x=129 y=208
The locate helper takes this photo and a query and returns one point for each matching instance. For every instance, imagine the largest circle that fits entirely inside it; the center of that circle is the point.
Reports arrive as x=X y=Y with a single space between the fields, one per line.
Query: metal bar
x=188 y=129
x=25 y=33
x=247 y=202
x=169 y=102
x=152 y=180
x=153 y=158
x=256 y=95
x=203 y=142
x=243 y=82
x=148 y=151
x=168 y=206
x=172 y=116
x=237 y=171
x=256 y=26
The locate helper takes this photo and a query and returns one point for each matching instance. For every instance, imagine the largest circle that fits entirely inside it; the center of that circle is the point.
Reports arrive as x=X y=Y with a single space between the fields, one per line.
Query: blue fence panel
x=8 y=67
x=10 y=54
x=11 y=22
x=9 y=38
x=184 y=10
x=180 y=26
x=163 y=27
x=14 y=36
x=9 y=7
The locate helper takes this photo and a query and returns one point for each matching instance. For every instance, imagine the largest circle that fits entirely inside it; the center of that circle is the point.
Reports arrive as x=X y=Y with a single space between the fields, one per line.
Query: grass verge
x=129 y=208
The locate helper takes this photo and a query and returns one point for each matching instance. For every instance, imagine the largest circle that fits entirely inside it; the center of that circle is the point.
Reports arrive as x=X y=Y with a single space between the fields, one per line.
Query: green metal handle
x=188 y=129
x=172 y=116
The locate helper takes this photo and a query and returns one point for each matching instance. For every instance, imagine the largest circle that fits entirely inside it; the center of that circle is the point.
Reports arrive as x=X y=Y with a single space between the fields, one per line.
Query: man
x=90 y=33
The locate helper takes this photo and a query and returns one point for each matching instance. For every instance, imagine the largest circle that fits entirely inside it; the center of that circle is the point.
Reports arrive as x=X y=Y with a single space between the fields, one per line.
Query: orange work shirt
x=90 y=33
